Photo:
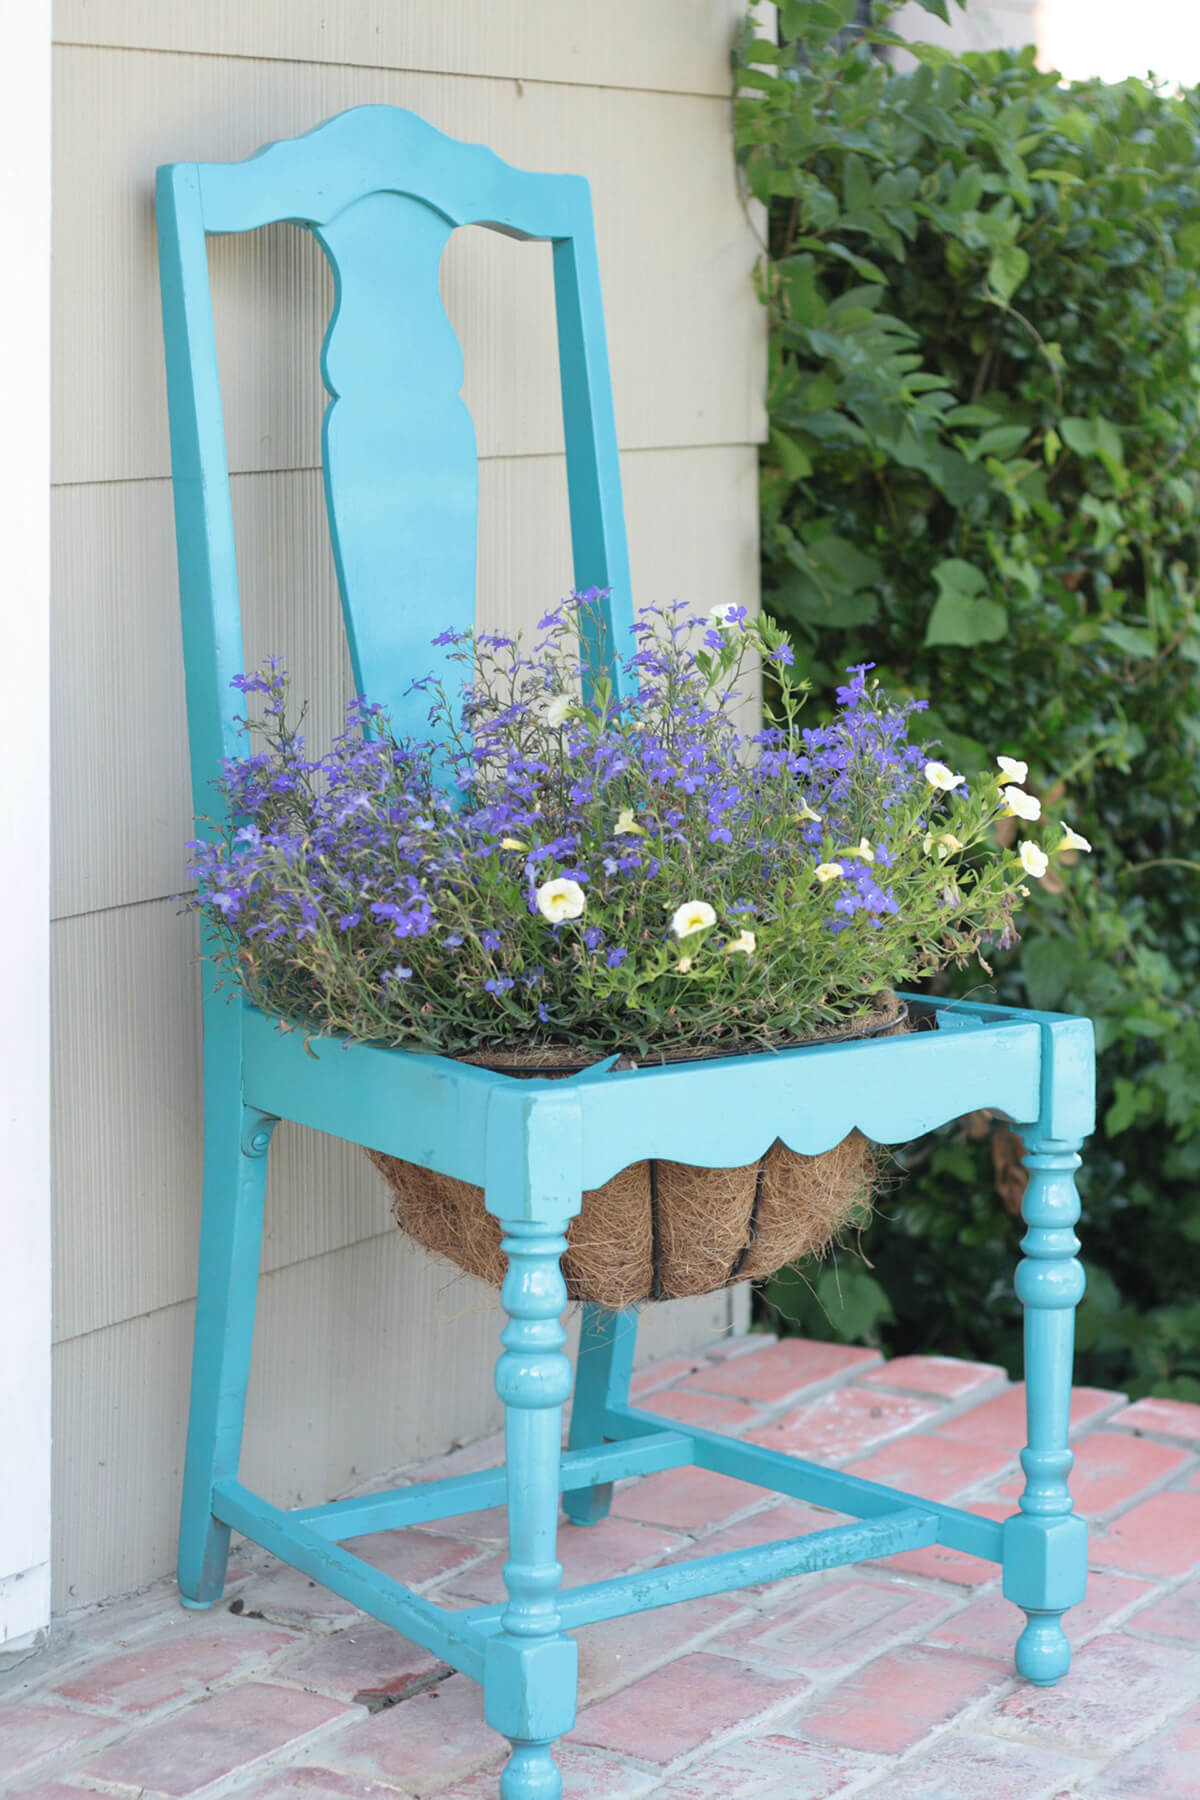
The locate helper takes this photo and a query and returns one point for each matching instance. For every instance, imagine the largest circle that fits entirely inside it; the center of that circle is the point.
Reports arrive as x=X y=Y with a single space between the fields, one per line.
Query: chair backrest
x=382 y=191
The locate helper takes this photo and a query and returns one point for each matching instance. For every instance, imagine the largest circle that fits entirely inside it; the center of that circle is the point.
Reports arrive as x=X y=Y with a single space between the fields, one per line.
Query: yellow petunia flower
x=560 y=899
x=693 y=915
x=745 y=941
x=1013 y=769
x=1035 y=862
x=1021 y=804
x=1071 y=840
x=828 y=871
x=627 y=825
x=939 y=776
x=512 y=844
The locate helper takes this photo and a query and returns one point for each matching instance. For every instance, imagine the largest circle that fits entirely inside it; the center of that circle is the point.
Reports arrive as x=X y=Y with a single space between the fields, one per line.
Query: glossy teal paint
x=382 y=191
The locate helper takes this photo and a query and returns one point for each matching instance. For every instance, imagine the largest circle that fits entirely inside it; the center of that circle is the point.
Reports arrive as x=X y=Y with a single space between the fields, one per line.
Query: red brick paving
x=844 y=1422
x=900 y=1697
x=1177 y=1615
x=311 y=1784
x=618 y=1651
x=1001 y=1420
x=1159 y=1537
x=1122 y=1688
x=942 y=1377
x=32 y=1736
x=161 y=1670
x=588 y=1773
x=769 y=1768
x=422 y=1745
x=782 y=1371
x=937 y=1563
x=712 y=1412
x=685 y=1499
x=971 y=1767
x=837 y=1624
x=892 y=1680
x=587 y=1553
x=991 y=1625
x=1178 y=1419
x=364 y=1657
x=931 y=1465
x=1165 y=1767
x=684 y=1707
x=1111 y=1470
x=194 y=1749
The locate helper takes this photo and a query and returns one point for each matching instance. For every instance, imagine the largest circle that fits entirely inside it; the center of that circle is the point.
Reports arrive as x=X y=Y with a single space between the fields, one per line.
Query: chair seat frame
x=363 y=183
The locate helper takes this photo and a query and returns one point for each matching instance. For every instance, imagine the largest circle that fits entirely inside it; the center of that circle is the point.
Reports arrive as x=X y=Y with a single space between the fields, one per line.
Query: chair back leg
x=236 y=1139
x=603 y=1368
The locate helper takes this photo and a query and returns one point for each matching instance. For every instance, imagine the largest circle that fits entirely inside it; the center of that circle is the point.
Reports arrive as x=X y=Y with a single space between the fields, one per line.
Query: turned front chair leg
x=1045 y=1545
x=236 y=1139
x=602 y=1370
x=530 y=1667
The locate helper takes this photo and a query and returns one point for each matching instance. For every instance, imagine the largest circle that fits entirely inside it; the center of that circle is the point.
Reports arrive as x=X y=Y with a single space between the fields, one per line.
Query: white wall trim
x=24 y=830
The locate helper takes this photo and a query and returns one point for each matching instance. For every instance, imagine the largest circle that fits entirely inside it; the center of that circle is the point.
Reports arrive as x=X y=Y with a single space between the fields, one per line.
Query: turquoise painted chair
x=382 y=191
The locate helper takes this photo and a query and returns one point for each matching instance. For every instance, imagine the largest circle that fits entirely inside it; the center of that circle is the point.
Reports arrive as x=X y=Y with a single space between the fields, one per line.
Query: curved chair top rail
x=382 y=191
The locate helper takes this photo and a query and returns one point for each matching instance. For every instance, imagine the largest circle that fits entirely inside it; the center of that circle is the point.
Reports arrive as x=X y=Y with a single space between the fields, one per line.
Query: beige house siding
x=367 y=1353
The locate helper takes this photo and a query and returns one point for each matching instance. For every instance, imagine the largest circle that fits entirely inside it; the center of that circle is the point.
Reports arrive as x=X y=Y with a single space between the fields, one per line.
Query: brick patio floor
x=892 y=1679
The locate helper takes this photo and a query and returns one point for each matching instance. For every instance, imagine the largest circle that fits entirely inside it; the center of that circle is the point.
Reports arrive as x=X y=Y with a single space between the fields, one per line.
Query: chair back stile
x=382 y=192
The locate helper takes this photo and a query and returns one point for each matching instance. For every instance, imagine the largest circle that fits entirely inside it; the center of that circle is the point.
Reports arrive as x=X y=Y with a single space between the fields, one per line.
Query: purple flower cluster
x=396 y=891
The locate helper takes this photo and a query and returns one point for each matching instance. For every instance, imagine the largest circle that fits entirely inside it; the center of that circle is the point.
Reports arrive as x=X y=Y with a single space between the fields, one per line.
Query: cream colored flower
x=1035 y=862
x=720 y=616
x=627 y=825
x=512 y=844
x=560 y=899
x=1071 y=840
x=557 y=710
x=947 y=844
x=683 y=966
x=745 y=941
x=1023 y=805
x=939 y=776
x=865 y=851
x=1012 y=769
x=693 y=915
x=806 y=815
x=828 y=871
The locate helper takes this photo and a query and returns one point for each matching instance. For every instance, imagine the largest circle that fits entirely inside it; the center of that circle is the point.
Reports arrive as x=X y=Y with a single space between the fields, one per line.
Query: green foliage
x=983 y=473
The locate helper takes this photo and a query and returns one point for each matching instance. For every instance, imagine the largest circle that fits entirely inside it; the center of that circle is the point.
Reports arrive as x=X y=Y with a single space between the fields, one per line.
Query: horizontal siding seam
x=151 y=1312
x=723 y=96
x=503 y=456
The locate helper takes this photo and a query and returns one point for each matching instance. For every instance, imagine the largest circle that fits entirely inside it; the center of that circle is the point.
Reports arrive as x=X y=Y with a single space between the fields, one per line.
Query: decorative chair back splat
x=382 y=191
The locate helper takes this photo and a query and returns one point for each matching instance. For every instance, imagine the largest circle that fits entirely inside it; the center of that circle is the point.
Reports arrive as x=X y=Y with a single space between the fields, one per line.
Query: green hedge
x=983 y=474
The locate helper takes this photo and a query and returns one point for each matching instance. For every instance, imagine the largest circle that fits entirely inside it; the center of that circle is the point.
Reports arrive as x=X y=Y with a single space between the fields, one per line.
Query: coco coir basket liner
x=659 y=1230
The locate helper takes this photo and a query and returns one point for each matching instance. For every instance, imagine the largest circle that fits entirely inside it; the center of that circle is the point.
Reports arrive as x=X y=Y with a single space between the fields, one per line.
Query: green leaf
x=795 y=462
x=961 y=615
x=1000 y=441
x=854 y=1302
x=1046 y=964
x=1128 y=638
x=1092 y=437
x=1123 y=1111
x=1007 y=270
x=849 y=566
